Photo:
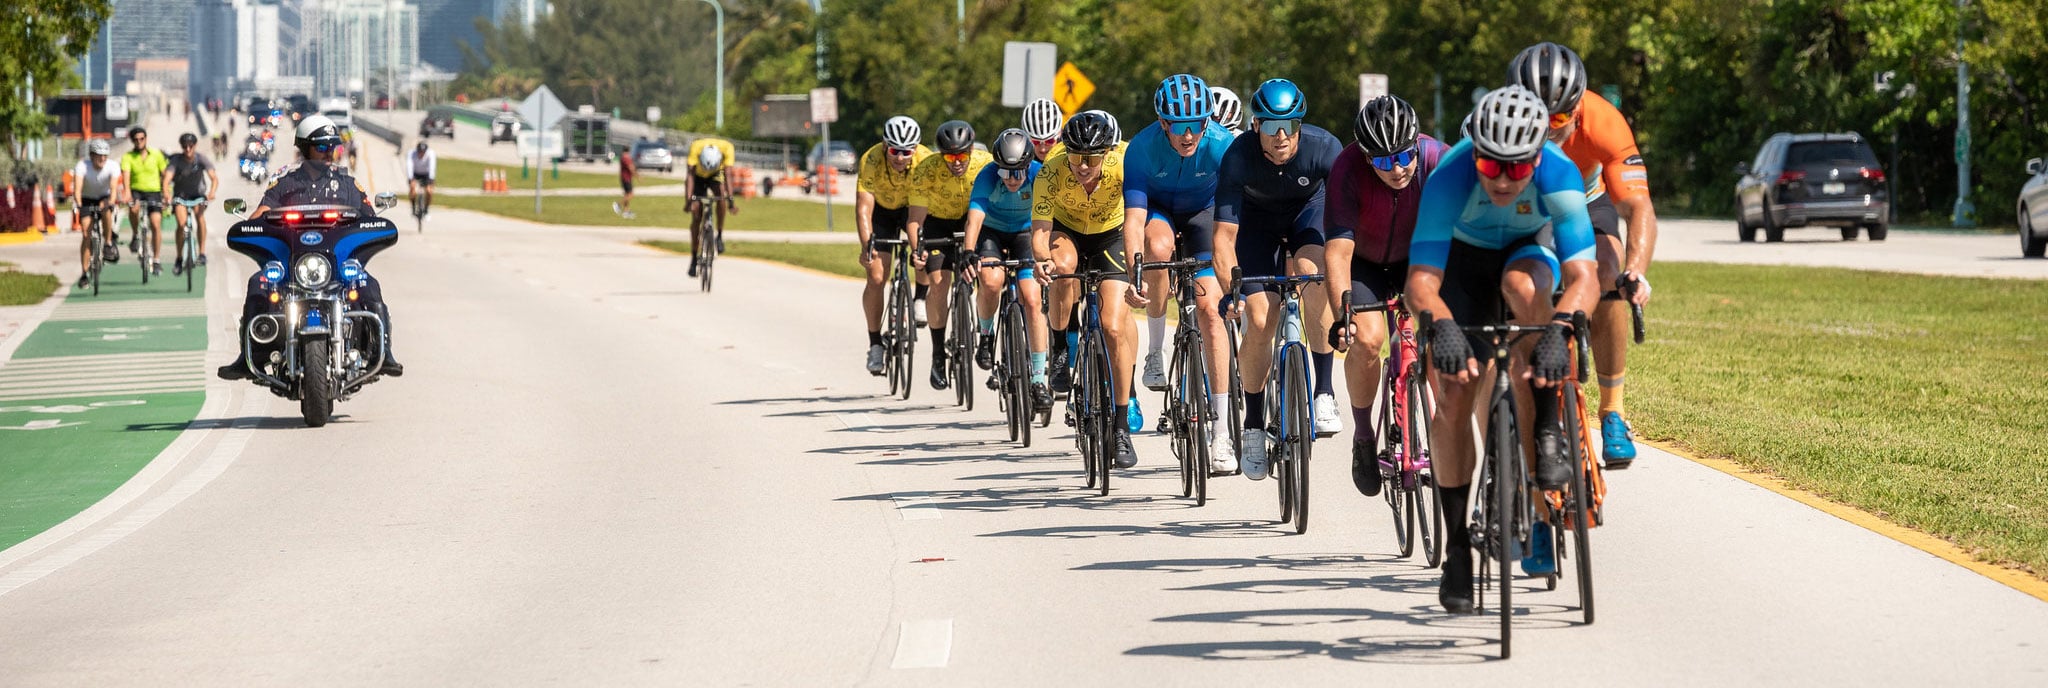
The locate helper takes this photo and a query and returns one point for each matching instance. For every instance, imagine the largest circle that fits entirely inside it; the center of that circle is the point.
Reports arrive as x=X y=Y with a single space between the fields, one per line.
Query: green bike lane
x=96 y=392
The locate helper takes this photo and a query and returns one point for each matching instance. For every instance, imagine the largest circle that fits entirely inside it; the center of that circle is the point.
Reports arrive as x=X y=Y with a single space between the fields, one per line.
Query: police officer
x=315 y=180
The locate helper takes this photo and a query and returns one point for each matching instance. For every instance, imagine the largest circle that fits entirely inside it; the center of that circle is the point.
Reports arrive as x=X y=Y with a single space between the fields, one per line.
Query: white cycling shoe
x=1328 y=423
x=1155 y=371
x=1254 y=460
x=1222 y=456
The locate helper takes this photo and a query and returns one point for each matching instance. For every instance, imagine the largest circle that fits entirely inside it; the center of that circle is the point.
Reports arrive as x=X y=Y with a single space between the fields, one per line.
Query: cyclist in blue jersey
x=1502 y=219
x=1269 y=221
x=999 y=228
x=1170 y=176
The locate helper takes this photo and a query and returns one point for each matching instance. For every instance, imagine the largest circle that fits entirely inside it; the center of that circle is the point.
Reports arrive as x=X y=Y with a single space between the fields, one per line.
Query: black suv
x=1799 y=180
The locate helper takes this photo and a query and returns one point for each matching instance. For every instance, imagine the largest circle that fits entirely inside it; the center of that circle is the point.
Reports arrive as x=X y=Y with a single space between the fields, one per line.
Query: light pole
x=1965 y=213
x=818 y=27
x=719 y=9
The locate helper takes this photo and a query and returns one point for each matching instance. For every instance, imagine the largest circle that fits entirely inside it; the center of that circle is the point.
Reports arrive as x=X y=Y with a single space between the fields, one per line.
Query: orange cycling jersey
x=1604 y=148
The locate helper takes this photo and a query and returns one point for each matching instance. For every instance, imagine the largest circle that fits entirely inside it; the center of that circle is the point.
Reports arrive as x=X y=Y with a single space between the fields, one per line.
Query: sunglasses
x=903 y=152
x=1279 y=127
x=1090 y=160
x=1562 y=119
x=1012 y=175
x=1047 y=141
x=1185 y=128
x=1387 y=163
x=326 y=147
x=957 y=157
x=1493 y=169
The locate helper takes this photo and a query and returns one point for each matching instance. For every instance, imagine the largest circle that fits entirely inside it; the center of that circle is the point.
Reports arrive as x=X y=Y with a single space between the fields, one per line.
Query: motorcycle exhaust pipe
x=265 y=328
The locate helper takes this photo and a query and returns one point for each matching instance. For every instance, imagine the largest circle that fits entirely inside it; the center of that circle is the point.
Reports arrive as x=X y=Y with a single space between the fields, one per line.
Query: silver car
x=2034 y=210
x=654 y=155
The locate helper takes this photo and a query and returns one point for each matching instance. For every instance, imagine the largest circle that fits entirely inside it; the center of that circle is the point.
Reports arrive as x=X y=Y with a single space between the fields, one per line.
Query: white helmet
x=98 y=147
x=1042 y=119
x=1509 y=123
x=315 y=130
x=901 y=132
x=1226 y=109
x=710 y=158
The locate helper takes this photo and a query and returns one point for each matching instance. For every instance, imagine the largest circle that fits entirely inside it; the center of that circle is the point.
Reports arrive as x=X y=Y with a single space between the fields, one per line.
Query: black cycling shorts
x=941 y=257
x=424 y=180
x=1606 y=219
x=1194 y=234
x=1472 y=276
x=1377 y=282
x=888 y=222
x=1099 y=251
x=1266 y=240
x=1003 y=245
x=709 y=187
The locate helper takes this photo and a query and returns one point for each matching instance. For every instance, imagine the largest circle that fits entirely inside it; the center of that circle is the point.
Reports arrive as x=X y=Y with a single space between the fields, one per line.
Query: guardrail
x=365 y=125
x=762 y=154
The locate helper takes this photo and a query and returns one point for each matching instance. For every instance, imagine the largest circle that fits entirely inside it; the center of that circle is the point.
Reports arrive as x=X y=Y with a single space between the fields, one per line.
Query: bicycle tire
x=890 y=334
x=1430 y=509
x=708 y=256
x=186 y=254
x=1302 y=435
x=1504 y=451
x=1106 y=421
x=1195 y=412
x=905 y=327
x=99 y=261
x=1172 y=419
x=1017 y=342
x=1078 y=402
x=967 y=335
x=1581 y=488
x=1276 y=461
x=1399 y=492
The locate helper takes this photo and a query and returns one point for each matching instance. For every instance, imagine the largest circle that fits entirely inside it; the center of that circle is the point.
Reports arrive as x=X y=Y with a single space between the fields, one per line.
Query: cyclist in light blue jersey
x=999 y=228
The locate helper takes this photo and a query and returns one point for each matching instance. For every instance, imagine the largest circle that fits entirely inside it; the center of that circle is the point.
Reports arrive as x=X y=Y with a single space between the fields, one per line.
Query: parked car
x=1800 y=180
x=841 y=156
x=299 y=106
x=653 y=155
x=437 y=125
x=2034 y=210
x=505 y=127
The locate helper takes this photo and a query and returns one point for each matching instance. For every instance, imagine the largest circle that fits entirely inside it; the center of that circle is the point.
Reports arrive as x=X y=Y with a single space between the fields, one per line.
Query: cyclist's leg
x=887 y=225
x=178 y=214
x=199 y=239
x=1370 y=283
x=1107 y=253
x=1258 y=255
x=939 y=275
x=1471 y=290
x=696 y=222
x=156 y=232
x=1159 y=245
x=1065 y=293
x=85 y=238
x=428 y=186
x=1526 y=285
x=1611 y=317
x=988 y=283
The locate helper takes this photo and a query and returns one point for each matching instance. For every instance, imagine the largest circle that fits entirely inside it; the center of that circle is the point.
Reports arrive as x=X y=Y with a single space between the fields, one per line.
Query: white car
x=2033 y=209
x=653 y=155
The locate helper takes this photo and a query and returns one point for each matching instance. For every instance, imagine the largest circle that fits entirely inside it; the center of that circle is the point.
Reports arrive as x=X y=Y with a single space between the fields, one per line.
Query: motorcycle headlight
x=313 y=271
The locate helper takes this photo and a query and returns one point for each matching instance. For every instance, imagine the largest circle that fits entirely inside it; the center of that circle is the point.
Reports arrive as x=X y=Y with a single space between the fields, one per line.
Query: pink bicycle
x=1403 y=415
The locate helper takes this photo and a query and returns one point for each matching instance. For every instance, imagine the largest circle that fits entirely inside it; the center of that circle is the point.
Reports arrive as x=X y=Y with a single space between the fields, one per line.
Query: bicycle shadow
x=1421 y=650
x=1028 y=498
x=926 y=447
x=251 y=422
x=1183 y=529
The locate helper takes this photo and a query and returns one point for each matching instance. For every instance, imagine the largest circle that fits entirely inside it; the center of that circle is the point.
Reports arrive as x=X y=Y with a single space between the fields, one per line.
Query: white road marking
x=923 y=644
x=916 y=507
x=853 y=421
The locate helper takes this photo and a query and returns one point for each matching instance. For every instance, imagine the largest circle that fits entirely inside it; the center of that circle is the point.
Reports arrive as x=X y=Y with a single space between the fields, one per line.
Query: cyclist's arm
x=1642 y=232
x=164 y=185
x=863 y=223
x=914 y=226
x=1563 y=191
x=975 y=217
x=433 y=165
x=1337 y=253
x=212 y=183
x=1041 y=242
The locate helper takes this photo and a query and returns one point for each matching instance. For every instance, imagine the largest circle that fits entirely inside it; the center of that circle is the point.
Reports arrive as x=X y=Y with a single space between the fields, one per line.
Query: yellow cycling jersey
x=145 y=169
x=696 y=158
x=891 y=188
x=1061 y=198
x=943 y=195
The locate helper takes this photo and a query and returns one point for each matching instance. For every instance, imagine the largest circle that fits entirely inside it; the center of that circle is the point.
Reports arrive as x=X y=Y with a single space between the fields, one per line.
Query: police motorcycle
x=317 y=345
x=255 y=160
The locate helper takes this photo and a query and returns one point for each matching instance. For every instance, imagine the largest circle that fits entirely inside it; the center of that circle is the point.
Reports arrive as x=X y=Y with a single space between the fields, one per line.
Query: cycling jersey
x=890 y=188
x=1008 y=211
x=420 y=166
x=189 y=175
x=1059 y=197
x=1251 y=183
x=697 y=148
x=1362 y=208
x=95 y=183
x=1162 y=180
x=1551 y=209
x=943 y=195
x=145 y=169
x=1604 y=148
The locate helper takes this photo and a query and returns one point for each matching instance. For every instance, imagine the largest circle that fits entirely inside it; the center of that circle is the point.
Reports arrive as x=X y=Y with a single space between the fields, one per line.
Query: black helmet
x=188 y=139
x=1554 y=72
x=955 y=136
x=1012 y=149
x=1385 y=126
x=1089 y=133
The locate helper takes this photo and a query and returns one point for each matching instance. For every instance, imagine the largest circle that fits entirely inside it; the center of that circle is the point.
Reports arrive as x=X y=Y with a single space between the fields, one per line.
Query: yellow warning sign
x=1071 y=88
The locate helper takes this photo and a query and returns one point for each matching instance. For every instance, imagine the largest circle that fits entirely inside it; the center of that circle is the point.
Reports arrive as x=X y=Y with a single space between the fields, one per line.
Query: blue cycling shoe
x=1541 y=560
x=1135 y=420
x=1617 y=443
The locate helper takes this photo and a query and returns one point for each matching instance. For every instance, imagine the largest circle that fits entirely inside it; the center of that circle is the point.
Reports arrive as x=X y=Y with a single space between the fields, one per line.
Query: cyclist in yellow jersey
x=1077 y=224
x=881 y=207
x=142 y=173
x=709 y=159
x=939 y=189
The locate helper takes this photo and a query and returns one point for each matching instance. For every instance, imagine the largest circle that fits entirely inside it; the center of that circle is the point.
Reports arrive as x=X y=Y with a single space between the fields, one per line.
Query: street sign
x=1370 y=86
x=542 y=109
x=1027 y=71
x=1071 y=88
x=784 y=115
x=117 y=108
x=825 y=104
x=653 y=114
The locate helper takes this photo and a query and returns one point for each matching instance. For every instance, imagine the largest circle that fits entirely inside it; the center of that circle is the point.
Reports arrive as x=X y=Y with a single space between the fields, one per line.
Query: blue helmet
x=1279 y=99
x=1182 y=98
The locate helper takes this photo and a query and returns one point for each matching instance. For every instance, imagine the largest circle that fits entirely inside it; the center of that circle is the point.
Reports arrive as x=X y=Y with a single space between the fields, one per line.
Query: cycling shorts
x=888 y=222
x=423 y=179
x=1472 y=276
x=942 y=257
x=1098 y=251
x=1377 y=282
x=1194 y=234
x=1003 y=245
x=1265 y=241
x=1606 y=220
x=713 y=187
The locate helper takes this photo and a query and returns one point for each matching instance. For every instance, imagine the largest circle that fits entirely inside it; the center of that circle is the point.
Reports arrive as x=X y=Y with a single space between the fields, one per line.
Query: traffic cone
x=487 y=181
x=498 y=182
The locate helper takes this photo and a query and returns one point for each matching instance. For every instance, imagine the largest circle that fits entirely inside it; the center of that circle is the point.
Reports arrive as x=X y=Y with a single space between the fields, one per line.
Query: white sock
x=1158 y=327
x=1219 y=404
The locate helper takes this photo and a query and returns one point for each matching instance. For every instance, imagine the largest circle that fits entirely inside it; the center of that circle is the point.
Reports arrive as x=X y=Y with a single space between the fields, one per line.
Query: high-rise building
x=447 y=25
x=140 y=30
x=234 y=48
x=366 y=44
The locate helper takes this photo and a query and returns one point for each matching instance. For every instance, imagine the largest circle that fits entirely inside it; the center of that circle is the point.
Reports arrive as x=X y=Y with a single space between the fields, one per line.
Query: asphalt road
x=594 y=474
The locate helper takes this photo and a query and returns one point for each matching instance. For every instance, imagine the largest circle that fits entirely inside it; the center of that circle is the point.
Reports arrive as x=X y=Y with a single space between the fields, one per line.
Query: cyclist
x=190 y=177
x=1498 y=215
x=998 y=227
x=1226 y=109
x=97 y=180
x=709 y=159
x=1375 y=192
x=1170 y=198
x=1599 y=140
x=1078 y=222
x=880 y=208
x=1042 y=120
x=940 y=187
x=1269 y=222
x=142 y=175
x=420 y=166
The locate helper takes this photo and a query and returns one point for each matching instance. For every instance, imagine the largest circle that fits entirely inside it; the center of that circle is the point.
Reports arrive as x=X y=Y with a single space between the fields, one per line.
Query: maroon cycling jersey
x=1362 y=208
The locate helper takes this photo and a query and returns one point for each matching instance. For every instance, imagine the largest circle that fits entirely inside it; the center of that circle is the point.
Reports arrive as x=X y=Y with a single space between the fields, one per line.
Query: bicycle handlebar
x=1423 y=321
x=1186 y=264
x=1628 y=288
x=1376 y=306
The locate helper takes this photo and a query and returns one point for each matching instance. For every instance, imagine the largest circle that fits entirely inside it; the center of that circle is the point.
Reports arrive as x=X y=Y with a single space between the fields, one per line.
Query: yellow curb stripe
x=2010 y=577
x=15 y=238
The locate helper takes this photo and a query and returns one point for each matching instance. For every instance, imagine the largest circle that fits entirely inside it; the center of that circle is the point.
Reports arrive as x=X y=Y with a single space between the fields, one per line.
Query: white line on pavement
x=853 y=421
x=916 y=507
x=923 y=644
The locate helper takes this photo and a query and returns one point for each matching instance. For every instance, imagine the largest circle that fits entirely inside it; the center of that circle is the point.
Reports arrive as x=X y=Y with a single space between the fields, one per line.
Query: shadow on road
x=1385 y=649
x=1186 y=529
x=1024 y=498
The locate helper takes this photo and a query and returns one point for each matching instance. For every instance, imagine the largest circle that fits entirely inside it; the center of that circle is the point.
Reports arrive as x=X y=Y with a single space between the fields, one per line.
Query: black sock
x=1059 y=344
x=938 y=341
x=1323 y=363
x=874 y=338
x=1546 y=410
x=1457 y=514
x=920 y=291
x=1123 y=411
x=1254 y=410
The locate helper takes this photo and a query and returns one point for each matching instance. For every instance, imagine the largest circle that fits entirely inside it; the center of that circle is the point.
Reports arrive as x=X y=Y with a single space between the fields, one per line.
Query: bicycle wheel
x=707 y=256
x=1171 y=420
x=186 y=254
x=905 y=327
x=1399 y=492
x=1080 y=402
x=891 y=336
x=1577 y=503
x=1103 y=394
x=1277 y=465
x=1301 y=434
x=143 y=252
x=1017 y=371
x=965 y=338
x=99 y=260
x=1195 y=411
x=1429 y=512
x=1504 y=453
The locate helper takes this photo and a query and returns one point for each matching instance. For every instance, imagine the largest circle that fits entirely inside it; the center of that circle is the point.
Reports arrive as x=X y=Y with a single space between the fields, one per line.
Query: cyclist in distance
x=1269 y=223
x=142 y=174
x=191 y=177
x=1042 y=120
x=881 y=208
x=1375 y=192
x=940 y=188
x=1502 y=217
x=420 y=167
x=98 y=179
x=709 y=159
x=1597 y=138
x=999 y=228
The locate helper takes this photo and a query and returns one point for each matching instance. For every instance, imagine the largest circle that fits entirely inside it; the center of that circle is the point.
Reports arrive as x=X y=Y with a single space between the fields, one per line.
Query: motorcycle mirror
x=235 y=207
x=386 y=199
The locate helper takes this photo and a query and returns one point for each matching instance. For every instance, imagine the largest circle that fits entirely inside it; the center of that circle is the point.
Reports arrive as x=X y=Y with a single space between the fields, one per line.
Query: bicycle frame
x=1094 y=400
x=1289 y=396
x=1184 y=409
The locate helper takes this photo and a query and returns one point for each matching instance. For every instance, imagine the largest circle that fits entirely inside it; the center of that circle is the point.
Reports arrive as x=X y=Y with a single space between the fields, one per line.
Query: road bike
x=1402 y=416
x=146 y=233
x=188 y=243
x=1185 y=413
x=1091 y=406
x=962 y=328
x=419 y=212
x=709 y=238
x=1290 y=414
x=1503 y=512
x=1011 y=377
x=899 y=334
x=92 y=217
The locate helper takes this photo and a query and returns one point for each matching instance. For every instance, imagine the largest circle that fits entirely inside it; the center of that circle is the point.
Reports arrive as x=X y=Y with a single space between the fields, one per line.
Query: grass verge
x=457 y=173
x=837 y=259
x=23 y=288
x=1916 y=398
x=671 y=212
